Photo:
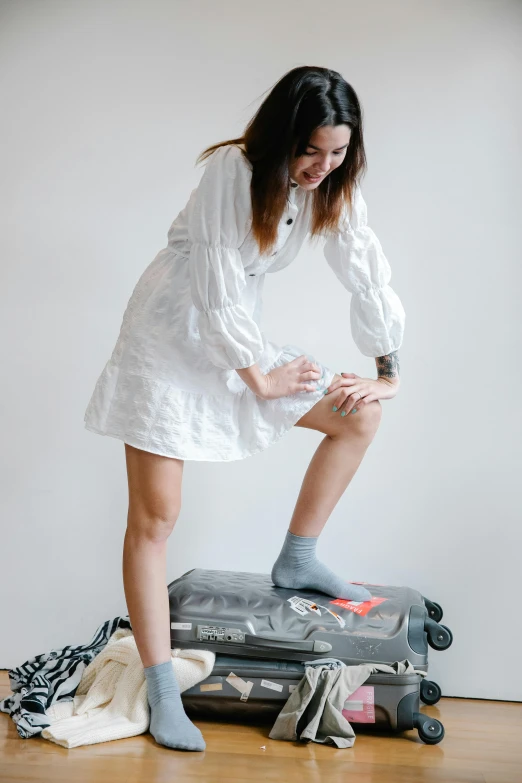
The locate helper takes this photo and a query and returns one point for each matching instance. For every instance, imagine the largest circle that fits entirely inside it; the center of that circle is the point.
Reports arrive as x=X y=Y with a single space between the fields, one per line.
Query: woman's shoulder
x=231 y=158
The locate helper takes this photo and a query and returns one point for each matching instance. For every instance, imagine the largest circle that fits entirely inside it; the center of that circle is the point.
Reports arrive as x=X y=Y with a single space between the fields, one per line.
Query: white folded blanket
x=111 y=699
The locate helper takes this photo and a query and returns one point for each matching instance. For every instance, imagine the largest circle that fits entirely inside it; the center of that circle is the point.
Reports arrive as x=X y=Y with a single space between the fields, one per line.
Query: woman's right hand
x=290 y=378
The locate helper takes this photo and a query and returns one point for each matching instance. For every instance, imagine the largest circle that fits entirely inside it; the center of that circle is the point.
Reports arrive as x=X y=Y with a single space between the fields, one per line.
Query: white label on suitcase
x=274 y=686
x=297 y=604
x=244 y=696
x=181 y=626
x=302 y=606
x=240 y=685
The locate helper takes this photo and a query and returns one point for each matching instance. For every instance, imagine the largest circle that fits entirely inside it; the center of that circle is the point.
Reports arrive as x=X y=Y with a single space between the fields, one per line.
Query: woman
x=192 y=377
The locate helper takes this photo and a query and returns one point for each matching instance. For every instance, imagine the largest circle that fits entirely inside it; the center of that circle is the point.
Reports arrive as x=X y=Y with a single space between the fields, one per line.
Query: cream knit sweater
x=111 y=699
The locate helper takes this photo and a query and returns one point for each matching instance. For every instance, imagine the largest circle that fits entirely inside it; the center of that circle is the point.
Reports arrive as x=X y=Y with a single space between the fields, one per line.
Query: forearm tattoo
x=388 y=366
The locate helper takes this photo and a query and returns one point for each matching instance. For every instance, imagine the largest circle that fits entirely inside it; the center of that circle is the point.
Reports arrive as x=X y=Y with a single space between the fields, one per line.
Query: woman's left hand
x=354 y=391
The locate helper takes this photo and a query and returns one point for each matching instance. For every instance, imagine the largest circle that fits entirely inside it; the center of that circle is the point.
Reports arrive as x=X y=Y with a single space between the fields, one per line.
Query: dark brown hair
x=306 y=98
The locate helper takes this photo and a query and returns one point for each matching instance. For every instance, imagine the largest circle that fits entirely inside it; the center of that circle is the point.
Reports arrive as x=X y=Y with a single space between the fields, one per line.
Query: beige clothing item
x=111 y=699
x=319 y=700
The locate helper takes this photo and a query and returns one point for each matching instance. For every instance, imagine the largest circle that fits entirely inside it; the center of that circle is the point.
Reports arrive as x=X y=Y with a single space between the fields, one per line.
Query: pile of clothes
x=92 y=693
x=98 y=692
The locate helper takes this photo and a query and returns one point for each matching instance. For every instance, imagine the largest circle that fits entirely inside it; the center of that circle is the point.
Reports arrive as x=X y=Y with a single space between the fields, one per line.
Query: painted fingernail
x=334 y=409
x=354 y=410
x=343 y=413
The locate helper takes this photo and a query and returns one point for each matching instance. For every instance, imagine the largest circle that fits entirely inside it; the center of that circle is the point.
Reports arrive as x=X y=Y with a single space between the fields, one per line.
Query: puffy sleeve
x=377 y=316
x=217 y=225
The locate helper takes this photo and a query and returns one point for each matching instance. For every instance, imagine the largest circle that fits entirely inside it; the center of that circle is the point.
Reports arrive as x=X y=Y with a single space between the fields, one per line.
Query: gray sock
x=297 y=567
x=169 y=724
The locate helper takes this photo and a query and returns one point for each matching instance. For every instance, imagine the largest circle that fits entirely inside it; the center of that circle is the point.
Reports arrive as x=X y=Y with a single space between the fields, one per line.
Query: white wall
x=105 y=108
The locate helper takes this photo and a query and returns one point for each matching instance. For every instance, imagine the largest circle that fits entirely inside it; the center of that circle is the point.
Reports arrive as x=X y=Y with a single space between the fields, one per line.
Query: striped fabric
x=50 y=677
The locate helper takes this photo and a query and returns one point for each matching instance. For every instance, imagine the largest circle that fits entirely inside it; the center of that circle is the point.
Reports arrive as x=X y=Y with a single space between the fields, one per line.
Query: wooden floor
x=483 y=744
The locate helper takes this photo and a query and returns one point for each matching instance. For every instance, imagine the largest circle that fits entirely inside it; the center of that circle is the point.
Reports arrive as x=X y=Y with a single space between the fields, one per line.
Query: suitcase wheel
x=430 y=692
x=431 y=731
x=439 y=636
x=434 y=609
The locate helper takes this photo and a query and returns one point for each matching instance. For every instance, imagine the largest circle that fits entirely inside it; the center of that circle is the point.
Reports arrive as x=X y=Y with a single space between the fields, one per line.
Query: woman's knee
x=153 y=524
x=364 y=423
x=368 y=417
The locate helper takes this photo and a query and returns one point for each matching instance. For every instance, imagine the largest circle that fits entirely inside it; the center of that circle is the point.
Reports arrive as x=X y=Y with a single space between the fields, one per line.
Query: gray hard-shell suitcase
x=247 y=690
x=244 y=614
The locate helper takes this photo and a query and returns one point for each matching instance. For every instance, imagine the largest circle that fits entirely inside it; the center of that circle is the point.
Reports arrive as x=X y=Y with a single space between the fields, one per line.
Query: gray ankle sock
x=297 y=567
x=169 y=724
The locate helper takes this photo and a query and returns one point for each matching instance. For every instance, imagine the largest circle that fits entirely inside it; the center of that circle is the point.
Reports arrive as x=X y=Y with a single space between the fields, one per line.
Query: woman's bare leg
x=333 y=466
x=154 y=505
x=335 y=461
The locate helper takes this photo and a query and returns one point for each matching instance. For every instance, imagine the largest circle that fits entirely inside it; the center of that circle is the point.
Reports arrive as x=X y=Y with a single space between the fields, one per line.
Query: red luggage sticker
x=358 y=607
x=360 y=706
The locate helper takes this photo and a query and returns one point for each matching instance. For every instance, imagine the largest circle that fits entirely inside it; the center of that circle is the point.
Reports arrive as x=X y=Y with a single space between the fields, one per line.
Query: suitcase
x=244 y=614
x=248 y=690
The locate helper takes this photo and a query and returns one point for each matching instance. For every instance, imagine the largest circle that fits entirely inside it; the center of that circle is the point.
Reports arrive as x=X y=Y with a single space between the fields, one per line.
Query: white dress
x=170 y=385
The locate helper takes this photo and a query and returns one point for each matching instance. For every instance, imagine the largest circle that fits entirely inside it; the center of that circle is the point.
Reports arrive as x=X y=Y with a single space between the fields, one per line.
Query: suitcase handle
x=317 y=646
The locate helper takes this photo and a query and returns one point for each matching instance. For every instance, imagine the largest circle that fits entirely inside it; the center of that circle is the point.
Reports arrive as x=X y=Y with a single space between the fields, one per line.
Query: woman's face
x=326 y=151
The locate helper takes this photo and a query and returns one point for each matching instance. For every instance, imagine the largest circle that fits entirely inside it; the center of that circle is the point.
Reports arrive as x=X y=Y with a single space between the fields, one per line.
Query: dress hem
x=136 y=443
